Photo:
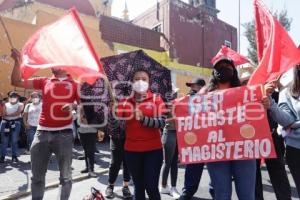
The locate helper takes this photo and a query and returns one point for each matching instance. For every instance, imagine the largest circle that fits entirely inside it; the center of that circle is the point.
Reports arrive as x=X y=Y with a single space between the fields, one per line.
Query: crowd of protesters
x=143 y=138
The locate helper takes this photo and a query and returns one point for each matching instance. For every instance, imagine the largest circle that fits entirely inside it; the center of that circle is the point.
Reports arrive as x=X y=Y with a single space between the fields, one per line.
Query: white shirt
x=12 y=108
x=34 y=112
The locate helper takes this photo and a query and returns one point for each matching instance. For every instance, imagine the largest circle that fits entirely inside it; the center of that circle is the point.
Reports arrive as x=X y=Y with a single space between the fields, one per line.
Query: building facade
x=193 y=29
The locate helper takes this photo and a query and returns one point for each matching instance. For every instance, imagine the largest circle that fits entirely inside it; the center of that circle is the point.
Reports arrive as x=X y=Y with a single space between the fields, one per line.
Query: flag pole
x=106 y=81
x=6 y=32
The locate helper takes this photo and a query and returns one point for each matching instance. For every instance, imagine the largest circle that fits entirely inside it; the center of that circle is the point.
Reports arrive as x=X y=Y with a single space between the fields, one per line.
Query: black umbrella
x=119 y=70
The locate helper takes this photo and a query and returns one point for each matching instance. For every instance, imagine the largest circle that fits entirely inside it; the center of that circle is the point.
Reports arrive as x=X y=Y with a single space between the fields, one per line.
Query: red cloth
x=276 y=51
x=62 y=44
x=225 y=51
x=140 y=138
x=56 y=94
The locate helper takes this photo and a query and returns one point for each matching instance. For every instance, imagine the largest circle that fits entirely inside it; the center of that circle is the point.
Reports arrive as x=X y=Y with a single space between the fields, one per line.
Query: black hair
x=213 y=82
x=140 y=70
x=294 y=87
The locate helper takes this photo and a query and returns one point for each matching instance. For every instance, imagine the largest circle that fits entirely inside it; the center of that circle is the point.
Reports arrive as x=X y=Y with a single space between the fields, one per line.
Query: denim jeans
x=244 y=174
x=14 y=133
x=44 y=144
x=30 y=135
x=144 y=167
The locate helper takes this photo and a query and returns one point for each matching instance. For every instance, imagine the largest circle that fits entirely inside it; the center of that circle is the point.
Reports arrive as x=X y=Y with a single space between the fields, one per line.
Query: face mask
x=223 y=74
x=13 y=100
x=62 y=78
x=140 y=86
x=193 y=92
x=35 y=100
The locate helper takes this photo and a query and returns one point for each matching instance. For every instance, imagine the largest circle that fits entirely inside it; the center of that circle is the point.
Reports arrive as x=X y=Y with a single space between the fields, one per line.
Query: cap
x=13 y=94
x=224 y=59
x=198 y=81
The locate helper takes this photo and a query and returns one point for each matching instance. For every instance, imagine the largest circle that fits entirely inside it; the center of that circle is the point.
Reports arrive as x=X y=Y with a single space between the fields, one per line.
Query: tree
x=251 y=37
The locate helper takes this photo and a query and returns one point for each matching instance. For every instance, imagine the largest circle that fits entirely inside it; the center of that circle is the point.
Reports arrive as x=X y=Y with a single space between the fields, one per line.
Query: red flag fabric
x=63 y=44
x=276 y=51
x=237 y=58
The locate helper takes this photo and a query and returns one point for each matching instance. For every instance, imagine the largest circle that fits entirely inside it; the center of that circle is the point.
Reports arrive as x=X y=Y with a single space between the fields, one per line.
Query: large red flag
x=62 y=44
x=276 y=51
x=237 y=58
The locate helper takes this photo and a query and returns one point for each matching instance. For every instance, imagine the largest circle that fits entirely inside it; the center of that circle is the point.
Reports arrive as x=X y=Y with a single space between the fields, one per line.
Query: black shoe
x=92 y=174
x=84 y=171
x=109 y=192
x=15 y=159
x=2 y=159
x=80 y=157
x=126 y=192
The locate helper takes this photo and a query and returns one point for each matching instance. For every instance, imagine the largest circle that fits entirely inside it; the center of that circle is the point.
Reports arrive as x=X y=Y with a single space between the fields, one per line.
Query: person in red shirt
x=143 y=115
x=54 y=132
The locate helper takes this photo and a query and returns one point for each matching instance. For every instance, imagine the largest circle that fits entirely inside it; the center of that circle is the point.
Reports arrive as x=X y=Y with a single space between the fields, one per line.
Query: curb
x=52 y=185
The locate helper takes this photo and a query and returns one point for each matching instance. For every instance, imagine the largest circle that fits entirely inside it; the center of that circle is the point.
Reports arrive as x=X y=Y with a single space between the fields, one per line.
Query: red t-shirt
x=56 y=94
x=140 y=138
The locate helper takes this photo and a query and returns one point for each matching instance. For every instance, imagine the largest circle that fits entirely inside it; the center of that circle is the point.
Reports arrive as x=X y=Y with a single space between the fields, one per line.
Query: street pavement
x=16 y=177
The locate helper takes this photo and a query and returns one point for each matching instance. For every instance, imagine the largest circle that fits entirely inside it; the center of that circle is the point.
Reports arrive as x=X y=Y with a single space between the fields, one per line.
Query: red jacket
x=140 y=138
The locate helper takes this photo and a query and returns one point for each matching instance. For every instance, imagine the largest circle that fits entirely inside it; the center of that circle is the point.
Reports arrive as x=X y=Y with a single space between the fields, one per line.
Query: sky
x=228 y=13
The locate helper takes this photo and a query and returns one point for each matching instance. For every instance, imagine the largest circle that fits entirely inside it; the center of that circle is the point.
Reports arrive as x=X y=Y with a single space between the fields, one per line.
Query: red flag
x=237 y=58
x=62 y=44
x=276 y=51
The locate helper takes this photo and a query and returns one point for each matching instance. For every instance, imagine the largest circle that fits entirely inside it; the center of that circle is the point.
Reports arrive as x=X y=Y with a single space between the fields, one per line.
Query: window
x=158 y=28
x=227 y=43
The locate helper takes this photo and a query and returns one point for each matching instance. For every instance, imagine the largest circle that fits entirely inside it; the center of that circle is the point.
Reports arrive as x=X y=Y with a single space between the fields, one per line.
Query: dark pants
x=117 y=158
x=293 y=161
x=192 y=177
x=88 y=142
x=44 y=144
x=171 y=159
x=277 y=173
x=144 y=168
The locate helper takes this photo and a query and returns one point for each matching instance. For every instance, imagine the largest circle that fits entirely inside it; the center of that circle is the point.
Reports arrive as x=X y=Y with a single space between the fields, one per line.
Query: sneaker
x=2 y=159
x=84 y=171
x=109 y=192
x=174 y=193
x=27 y=152
x=93 y=174
x=164 y=190
x=15 y=159
x=126 y=192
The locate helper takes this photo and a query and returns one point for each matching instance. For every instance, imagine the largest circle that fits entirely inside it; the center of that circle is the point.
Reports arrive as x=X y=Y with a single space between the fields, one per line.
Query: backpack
x=95 y=195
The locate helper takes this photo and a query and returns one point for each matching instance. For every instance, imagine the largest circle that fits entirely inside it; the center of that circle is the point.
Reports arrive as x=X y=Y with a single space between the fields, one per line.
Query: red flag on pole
x=276 y=51
x=63 y=44
x=237 y=58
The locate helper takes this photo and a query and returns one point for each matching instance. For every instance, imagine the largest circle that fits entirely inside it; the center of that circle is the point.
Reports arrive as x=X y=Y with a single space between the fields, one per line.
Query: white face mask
x=36 y=100
x=140 y=86
x=13 y=100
